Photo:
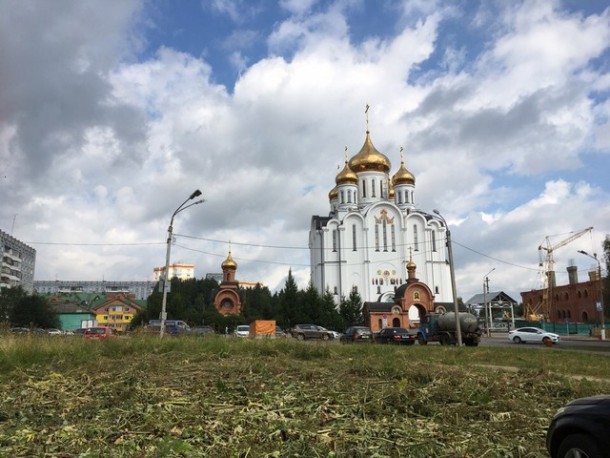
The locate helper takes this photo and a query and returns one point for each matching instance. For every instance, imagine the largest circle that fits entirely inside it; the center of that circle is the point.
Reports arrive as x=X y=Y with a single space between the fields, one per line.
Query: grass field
x=227 y=397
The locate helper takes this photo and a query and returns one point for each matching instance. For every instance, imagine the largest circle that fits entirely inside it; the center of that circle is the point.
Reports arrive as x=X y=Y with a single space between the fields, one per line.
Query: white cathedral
x=373 y=230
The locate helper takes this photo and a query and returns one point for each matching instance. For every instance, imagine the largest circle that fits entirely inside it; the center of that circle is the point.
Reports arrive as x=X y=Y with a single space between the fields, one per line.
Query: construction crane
x=545 y=306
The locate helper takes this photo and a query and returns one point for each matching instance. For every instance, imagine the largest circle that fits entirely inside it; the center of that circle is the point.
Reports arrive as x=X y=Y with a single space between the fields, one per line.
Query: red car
x=100 y=333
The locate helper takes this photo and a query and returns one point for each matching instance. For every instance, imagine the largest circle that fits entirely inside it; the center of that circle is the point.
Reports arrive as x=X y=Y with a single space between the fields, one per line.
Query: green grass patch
x=226 y=397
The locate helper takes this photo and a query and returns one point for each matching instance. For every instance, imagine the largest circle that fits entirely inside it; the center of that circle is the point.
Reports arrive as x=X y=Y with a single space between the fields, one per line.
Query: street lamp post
x=166 y=278
x=485 y=292
x=458 y=328
x=601 y=290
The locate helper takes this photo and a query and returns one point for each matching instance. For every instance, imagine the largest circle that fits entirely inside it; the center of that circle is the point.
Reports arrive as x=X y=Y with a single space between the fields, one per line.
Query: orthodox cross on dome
x=345 y=153
x=402 y=157
x=366 y=112
x=410 y=254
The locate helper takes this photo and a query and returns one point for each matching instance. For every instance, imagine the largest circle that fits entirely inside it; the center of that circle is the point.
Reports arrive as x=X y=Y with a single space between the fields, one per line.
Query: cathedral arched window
x=384 y=224
x=415 y=238
x=400 y=197
x=381 y=189
x=393 y=229
x=354 y=237
x=373 y=188
x=349 y=197
x=412 y=198
x=342 y=197
x=433 y=241
x=363 y=188
x=376 y=237
x=407 y=197
x=335 y=234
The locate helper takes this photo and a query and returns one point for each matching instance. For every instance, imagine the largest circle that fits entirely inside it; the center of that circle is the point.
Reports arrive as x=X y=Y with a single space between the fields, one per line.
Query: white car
x=242 y=331
x=530 y=334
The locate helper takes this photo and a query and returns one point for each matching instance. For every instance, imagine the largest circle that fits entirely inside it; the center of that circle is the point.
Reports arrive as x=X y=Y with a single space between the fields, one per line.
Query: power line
x=493 y=258
x=245 y=259
x=95 y=244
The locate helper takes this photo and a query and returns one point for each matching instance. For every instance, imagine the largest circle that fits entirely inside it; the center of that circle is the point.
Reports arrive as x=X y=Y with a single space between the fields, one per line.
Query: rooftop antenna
x=13 y=226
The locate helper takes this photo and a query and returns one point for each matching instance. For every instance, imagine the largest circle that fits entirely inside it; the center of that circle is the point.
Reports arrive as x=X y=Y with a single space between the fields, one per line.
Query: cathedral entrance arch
x=396 y=322
x=418 y=314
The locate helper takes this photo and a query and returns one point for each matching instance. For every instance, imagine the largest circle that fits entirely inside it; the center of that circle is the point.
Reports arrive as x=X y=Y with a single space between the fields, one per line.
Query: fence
x=562 y=328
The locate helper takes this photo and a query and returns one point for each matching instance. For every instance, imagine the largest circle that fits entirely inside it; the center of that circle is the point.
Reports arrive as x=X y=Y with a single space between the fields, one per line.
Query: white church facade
x=373 y=230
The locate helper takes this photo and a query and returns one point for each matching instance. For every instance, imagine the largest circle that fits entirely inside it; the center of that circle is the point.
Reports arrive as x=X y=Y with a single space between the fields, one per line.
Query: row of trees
x=20 y=309
x=193 y=302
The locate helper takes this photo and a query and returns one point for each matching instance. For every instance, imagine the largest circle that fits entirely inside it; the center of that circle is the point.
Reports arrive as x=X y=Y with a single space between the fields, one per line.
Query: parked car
x=531 y=334
x=202 y=330
x=357 y=334
x=396 y=336
x=100 y=333
x=580 y=429
x=279 y=332
x=54 y=332
x=19 y=330
x=311 y=331
x=243 y=330
x=80 y=331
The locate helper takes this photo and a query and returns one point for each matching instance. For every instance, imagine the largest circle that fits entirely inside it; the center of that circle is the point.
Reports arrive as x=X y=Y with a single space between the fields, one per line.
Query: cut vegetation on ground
x=225 y=397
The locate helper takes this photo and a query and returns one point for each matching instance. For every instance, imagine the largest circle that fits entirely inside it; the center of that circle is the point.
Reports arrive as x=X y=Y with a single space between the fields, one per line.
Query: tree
x=330 y=314
x=33 y=311
x=288 y=303
x=9 y=298
x=351 y=309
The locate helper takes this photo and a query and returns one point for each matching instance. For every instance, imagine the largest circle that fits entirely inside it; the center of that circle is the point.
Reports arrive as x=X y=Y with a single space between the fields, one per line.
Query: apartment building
x=17 y=263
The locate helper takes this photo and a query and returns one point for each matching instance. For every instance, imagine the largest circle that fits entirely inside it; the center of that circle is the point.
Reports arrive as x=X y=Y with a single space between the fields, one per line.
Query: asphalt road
x=566 y=342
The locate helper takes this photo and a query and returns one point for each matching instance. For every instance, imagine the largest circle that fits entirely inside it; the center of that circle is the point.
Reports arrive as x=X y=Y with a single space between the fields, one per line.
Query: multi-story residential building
x=140 y=289
x=17 y=263
x=117 y=311
x=180 y=271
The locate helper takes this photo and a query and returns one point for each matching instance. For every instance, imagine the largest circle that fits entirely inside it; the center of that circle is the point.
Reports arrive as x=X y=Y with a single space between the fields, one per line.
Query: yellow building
x=117 y=311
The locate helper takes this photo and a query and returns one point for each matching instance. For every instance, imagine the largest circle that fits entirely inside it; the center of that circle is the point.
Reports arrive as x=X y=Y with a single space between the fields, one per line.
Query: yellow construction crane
x=543 y=308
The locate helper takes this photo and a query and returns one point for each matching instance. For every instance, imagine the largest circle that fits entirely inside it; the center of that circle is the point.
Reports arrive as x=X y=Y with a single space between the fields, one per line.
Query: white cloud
x=123 y=142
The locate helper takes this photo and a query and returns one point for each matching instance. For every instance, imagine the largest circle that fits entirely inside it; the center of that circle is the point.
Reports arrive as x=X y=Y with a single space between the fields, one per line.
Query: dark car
x=202 y=331
x=580 y=429
x=396 y=336
x=311 y=331
x=357 y=334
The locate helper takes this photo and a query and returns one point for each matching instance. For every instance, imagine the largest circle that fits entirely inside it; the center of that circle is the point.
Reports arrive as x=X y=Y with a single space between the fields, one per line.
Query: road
x=566 y=342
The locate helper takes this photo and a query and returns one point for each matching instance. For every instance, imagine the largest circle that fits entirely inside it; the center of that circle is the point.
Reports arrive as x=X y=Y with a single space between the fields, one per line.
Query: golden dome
x=411 y=266
x=346 y=176
x=229 y=263
x=333 y=194
x=369 y=159
x=403 y=176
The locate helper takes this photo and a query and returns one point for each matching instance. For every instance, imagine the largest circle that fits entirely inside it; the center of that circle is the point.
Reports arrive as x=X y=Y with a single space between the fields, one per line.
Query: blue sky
x=114 y=111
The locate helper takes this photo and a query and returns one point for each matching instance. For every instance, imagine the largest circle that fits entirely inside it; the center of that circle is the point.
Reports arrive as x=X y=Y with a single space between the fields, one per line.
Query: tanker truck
x=441 y=328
